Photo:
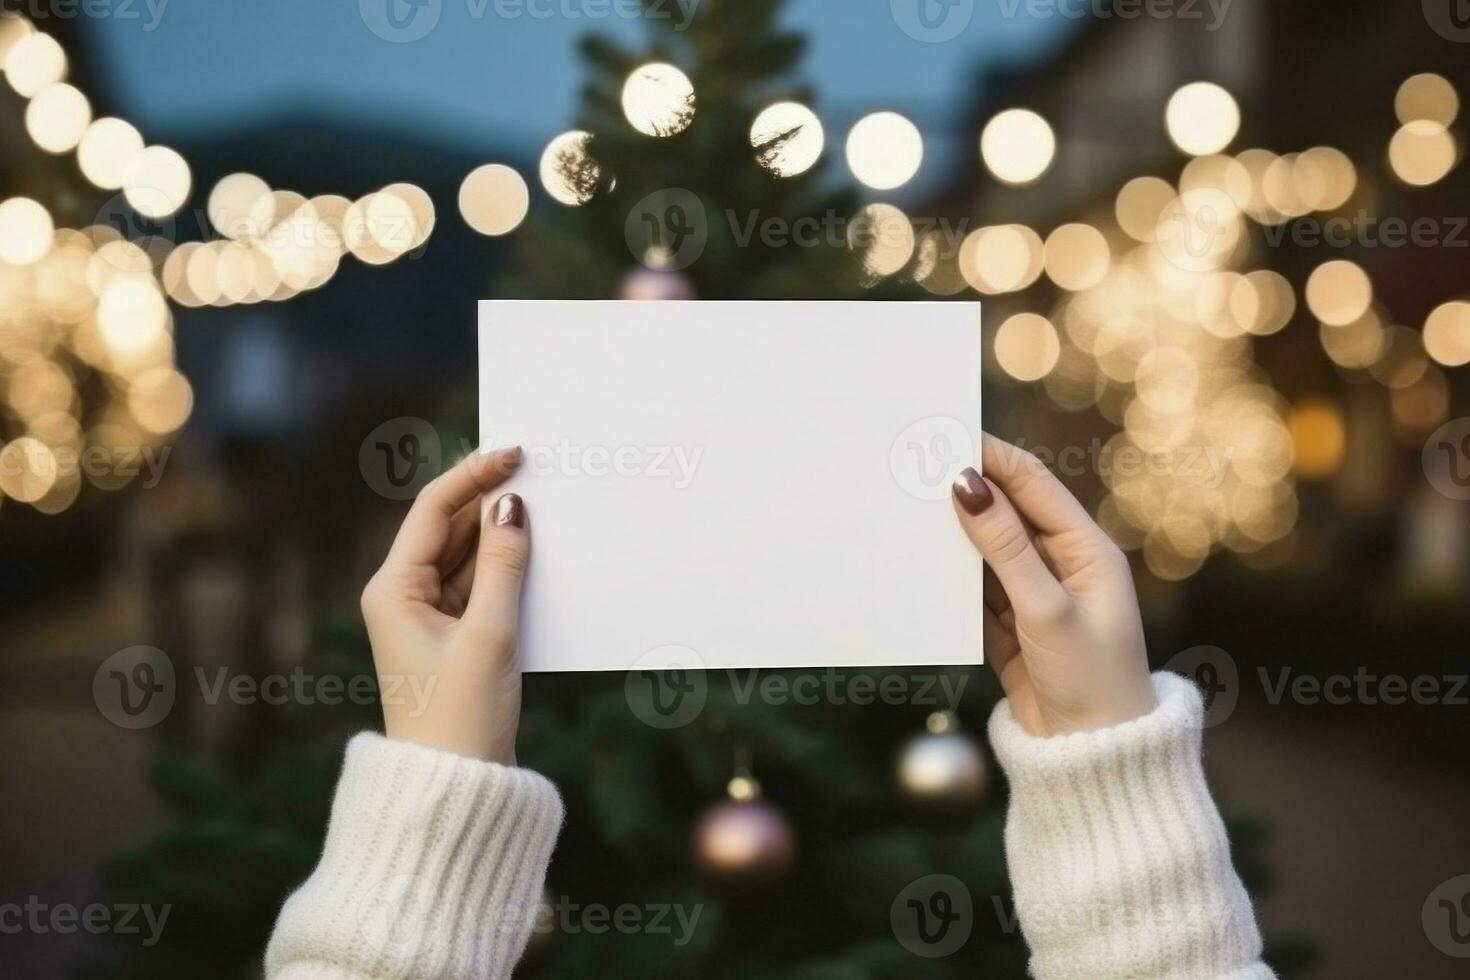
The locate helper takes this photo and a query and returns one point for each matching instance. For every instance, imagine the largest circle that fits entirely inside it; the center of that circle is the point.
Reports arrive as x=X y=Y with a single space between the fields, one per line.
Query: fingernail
x=510 y=510
x=972 y=492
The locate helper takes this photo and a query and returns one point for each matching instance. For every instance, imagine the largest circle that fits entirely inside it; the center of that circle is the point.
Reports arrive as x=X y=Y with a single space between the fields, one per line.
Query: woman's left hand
x=443 y=610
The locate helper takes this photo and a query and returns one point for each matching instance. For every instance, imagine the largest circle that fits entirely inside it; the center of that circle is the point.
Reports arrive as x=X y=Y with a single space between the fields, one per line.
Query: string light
x=494 y=199
x=58 y=117
x=1447 y=334
x=568 y=172
x=1017 y=146
x=788 y=138
x=1202 y=118
x=658 y=100
x=884 y=150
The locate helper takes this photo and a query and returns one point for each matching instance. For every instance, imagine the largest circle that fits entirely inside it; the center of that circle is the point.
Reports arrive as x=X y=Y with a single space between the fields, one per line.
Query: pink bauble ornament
x=662 y=284
x=746 y=841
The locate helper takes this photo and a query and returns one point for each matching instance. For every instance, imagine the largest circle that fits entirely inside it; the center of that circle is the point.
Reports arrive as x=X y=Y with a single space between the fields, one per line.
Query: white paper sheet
x=739 y=484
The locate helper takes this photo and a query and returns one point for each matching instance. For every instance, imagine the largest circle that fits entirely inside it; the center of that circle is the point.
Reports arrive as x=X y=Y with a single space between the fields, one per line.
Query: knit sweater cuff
x=433 y=867
x=1117 y=855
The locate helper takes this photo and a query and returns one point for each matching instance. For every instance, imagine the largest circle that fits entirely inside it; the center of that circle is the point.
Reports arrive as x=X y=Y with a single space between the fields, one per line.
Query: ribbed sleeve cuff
x=433 y=867
x=1117 y=855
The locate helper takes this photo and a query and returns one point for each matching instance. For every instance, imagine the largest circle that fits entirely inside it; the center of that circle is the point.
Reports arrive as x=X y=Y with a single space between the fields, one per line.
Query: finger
x=1034 y=490
x=1001 y=645
x=464 y=528
x=500 y=567
x=1005 y=543
x=425 y=531
x=996 y=599
x=458 y=582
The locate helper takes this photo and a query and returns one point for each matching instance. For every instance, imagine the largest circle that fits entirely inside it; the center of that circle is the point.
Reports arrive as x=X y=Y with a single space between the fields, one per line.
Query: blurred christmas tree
x=761 y=828
x=677 y=184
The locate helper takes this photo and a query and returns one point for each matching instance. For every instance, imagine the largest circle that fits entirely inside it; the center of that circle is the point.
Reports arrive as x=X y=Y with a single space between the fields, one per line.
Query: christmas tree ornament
x=743 y=838
x=944 y=766
x=662 y=284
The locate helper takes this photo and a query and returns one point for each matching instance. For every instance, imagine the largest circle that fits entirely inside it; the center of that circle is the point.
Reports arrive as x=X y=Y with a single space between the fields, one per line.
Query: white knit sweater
x=434 y=864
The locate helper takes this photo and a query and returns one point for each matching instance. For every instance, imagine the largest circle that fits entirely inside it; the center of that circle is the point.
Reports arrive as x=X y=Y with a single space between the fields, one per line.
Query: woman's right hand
x=1062 y=626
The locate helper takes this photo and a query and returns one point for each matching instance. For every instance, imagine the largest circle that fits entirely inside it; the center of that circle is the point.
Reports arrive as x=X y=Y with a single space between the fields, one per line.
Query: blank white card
x=741 y=484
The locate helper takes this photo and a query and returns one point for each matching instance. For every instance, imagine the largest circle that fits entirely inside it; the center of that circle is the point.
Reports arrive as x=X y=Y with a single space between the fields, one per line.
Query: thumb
x=1004 y=541
x=500 y=567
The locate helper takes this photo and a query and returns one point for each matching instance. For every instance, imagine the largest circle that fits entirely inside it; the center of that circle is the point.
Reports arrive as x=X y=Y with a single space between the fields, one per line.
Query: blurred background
x=1224 y=254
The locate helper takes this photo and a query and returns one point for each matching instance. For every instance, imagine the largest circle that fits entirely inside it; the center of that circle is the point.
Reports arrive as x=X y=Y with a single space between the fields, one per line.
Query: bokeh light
x=884 y=150
x=26 y=231
x=1422 y=153
x=58 y=117
x=1202 y=118
x=232 y=206
x=658 y=100
x=107 y=151
x=1017 y=146
x=1427 y=96
x=788 y=138
x=34 y=62
x=1139 y=205
x=1027 y=346
x=1447 y=334
x=494 y=199
x=1077 y=256
x=1318 y=437
x=885 y=237
x=1001 y=258
x=158 y=182
x=567 y=170
x=1339 y=292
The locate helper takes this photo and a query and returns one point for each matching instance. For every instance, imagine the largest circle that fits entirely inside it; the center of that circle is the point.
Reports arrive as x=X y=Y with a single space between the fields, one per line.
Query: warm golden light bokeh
x=1017 y=146
x=1427 y=96
x=1422 y=153
x=1447 y=334
x=658 y=100
x=107 y=151
x=494 y=199
x=1077 y=257
x=1339 y=292
x=884 y=150
x=568 y=172
x=58 y=117
x=788 y=138
x=1202 y=118
x=25 y=231
x=1027 y=347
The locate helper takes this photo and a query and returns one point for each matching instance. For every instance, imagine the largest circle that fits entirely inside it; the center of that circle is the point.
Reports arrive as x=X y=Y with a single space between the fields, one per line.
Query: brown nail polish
x=510 y=510
x=972 y=492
